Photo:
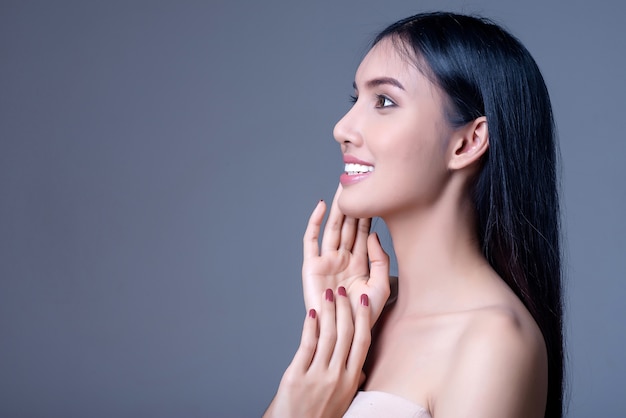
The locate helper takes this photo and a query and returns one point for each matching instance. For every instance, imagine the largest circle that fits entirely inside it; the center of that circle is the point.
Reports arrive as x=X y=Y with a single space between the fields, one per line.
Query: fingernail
x=329 y=295
x=365 y=300
x=342 y=291
x=312 y=313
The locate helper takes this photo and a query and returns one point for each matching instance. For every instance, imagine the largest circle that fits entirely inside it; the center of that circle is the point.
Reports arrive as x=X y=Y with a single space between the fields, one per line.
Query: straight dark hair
x=485 y=71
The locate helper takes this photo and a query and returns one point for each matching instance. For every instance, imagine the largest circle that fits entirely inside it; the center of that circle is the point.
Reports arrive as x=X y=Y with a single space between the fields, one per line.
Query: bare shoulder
x=499 y=368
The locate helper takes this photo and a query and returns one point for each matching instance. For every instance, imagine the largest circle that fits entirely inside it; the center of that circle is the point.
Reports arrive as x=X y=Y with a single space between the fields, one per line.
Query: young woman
x=451 y=142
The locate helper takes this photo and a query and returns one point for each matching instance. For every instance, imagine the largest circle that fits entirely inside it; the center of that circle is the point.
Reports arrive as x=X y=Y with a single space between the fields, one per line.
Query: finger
x=327 y=332
x=362 y=338
x=348 y=233
x=308 y=343
x=312 y=232
x=334 y=223
x=363 y=231
x=345 y=329
x=379 y=264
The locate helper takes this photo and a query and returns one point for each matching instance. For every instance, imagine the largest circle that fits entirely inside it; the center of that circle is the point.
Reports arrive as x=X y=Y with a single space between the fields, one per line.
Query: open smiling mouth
x=352 y=169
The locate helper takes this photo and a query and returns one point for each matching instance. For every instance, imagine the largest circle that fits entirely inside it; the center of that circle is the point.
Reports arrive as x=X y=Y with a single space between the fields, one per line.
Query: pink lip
x=349 y=159
x=347 y=180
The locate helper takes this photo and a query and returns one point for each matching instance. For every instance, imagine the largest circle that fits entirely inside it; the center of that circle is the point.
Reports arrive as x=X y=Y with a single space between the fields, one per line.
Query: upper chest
x=410 y=358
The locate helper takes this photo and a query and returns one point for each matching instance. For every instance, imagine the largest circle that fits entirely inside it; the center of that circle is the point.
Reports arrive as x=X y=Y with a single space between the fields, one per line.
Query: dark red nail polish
x=329 y=295
x=365 y=300
x=342 y=291
x=312 y=313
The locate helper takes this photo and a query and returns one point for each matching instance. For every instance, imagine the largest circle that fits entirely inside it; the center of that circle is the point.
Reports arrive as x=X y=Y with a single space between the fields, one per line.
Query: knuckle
x=332 y=378
x=290 y=378
x=329 y=337
x=347 y=329
x=362 y=340
x=308 y=344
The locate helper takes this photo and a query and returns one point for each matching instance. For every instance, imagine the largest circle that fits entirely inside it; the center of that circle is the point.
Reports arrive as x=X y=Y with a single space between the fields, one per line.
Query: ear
x=469 y=144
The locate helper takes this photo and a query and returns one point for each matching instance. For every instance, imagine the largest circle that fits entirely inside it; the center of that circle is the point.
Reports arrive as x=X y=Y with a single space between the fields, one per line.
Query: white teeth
x=351 y=168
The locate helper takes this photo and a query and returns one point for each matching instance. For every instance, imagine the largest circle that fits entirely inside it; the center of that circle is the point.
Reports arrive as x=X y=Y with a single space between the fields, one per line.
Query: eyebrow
x=380 y=81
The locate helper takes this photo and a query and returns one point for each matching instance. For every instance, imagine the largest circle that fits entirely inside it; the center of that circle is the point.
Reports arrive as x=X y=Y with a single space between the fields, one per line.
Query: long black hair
x=485 y=71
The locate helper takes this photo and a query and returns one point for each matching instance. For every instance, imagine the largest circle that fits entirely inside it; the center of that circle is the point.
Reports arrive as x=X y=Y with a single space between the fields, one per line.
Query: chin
x=356 y=208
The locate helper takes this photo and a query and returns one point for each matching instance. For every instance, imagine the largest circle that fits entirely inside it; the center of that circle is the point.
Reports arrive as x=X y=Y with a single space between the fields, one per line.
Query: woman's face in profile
x=394 y=138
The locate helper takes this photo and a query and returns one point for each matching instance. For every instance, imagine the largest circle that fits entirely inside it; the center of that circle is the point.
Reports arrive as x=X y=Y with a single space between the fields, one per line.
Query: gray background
x=158 y=163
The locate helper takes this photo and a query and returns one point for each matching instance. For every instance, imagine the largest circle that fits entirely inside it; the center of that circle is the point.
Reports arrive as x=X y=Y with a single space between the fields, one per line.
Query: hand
x=325 y=373
x=346 y=248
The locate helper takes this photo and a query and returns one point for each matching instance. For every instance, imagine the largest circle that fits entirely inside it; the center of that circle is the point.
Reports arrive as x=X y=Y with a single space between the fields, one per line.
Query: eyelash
x=379 y=97
x=384 y=99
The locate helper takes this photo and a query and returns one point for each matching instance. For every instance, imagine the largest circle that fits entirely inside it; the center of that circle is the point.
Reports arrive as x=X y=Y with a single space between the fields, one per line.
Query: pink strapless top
x=374 y=404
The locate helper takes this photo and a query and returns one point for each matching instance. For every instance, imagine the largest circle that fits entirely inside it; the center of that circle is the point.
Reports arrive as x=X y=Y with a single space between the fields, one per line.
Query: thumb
x=379 y=265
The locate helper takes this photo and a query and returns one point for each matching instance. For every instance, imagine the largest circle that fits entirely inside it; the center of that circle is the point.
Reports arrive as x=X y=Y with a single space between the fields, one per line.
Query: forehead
x=384 y=60
x=389 y=60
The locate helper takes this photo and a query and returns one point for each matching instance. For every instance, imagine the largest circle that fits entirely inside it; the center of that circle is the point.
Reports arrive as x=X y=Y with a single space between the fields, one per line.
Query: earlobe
x=470 y=144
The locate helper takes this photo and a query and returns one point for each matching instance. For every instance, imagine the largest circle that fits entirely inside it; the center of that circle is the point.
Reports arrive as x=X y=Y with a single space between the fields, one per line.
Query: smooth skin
x=349 y=256
x=326 y=369
x=457 y=340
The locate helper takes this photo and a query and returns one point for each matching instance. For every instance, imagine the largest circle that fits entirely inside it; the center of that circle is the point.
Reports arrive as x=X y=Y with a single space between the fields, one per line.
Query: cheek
x=417 y=165
x=412 y=152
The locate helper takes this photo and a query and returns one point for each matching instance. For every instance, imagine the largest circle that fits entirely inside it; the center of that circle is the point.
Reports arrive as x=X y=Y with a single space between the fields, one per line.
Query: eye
x=353 y=99
x=384 y=101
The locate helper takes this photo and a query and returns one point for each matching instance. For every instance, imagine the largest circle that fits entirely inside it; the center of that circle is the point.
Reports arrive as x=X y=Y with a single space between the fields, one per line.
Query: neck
x=438 y=253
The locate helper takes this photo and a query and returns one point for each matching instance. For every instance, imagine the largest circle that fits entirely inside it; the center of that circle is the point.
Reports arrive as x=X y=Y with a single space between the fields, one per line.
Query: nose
x=346 y=130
